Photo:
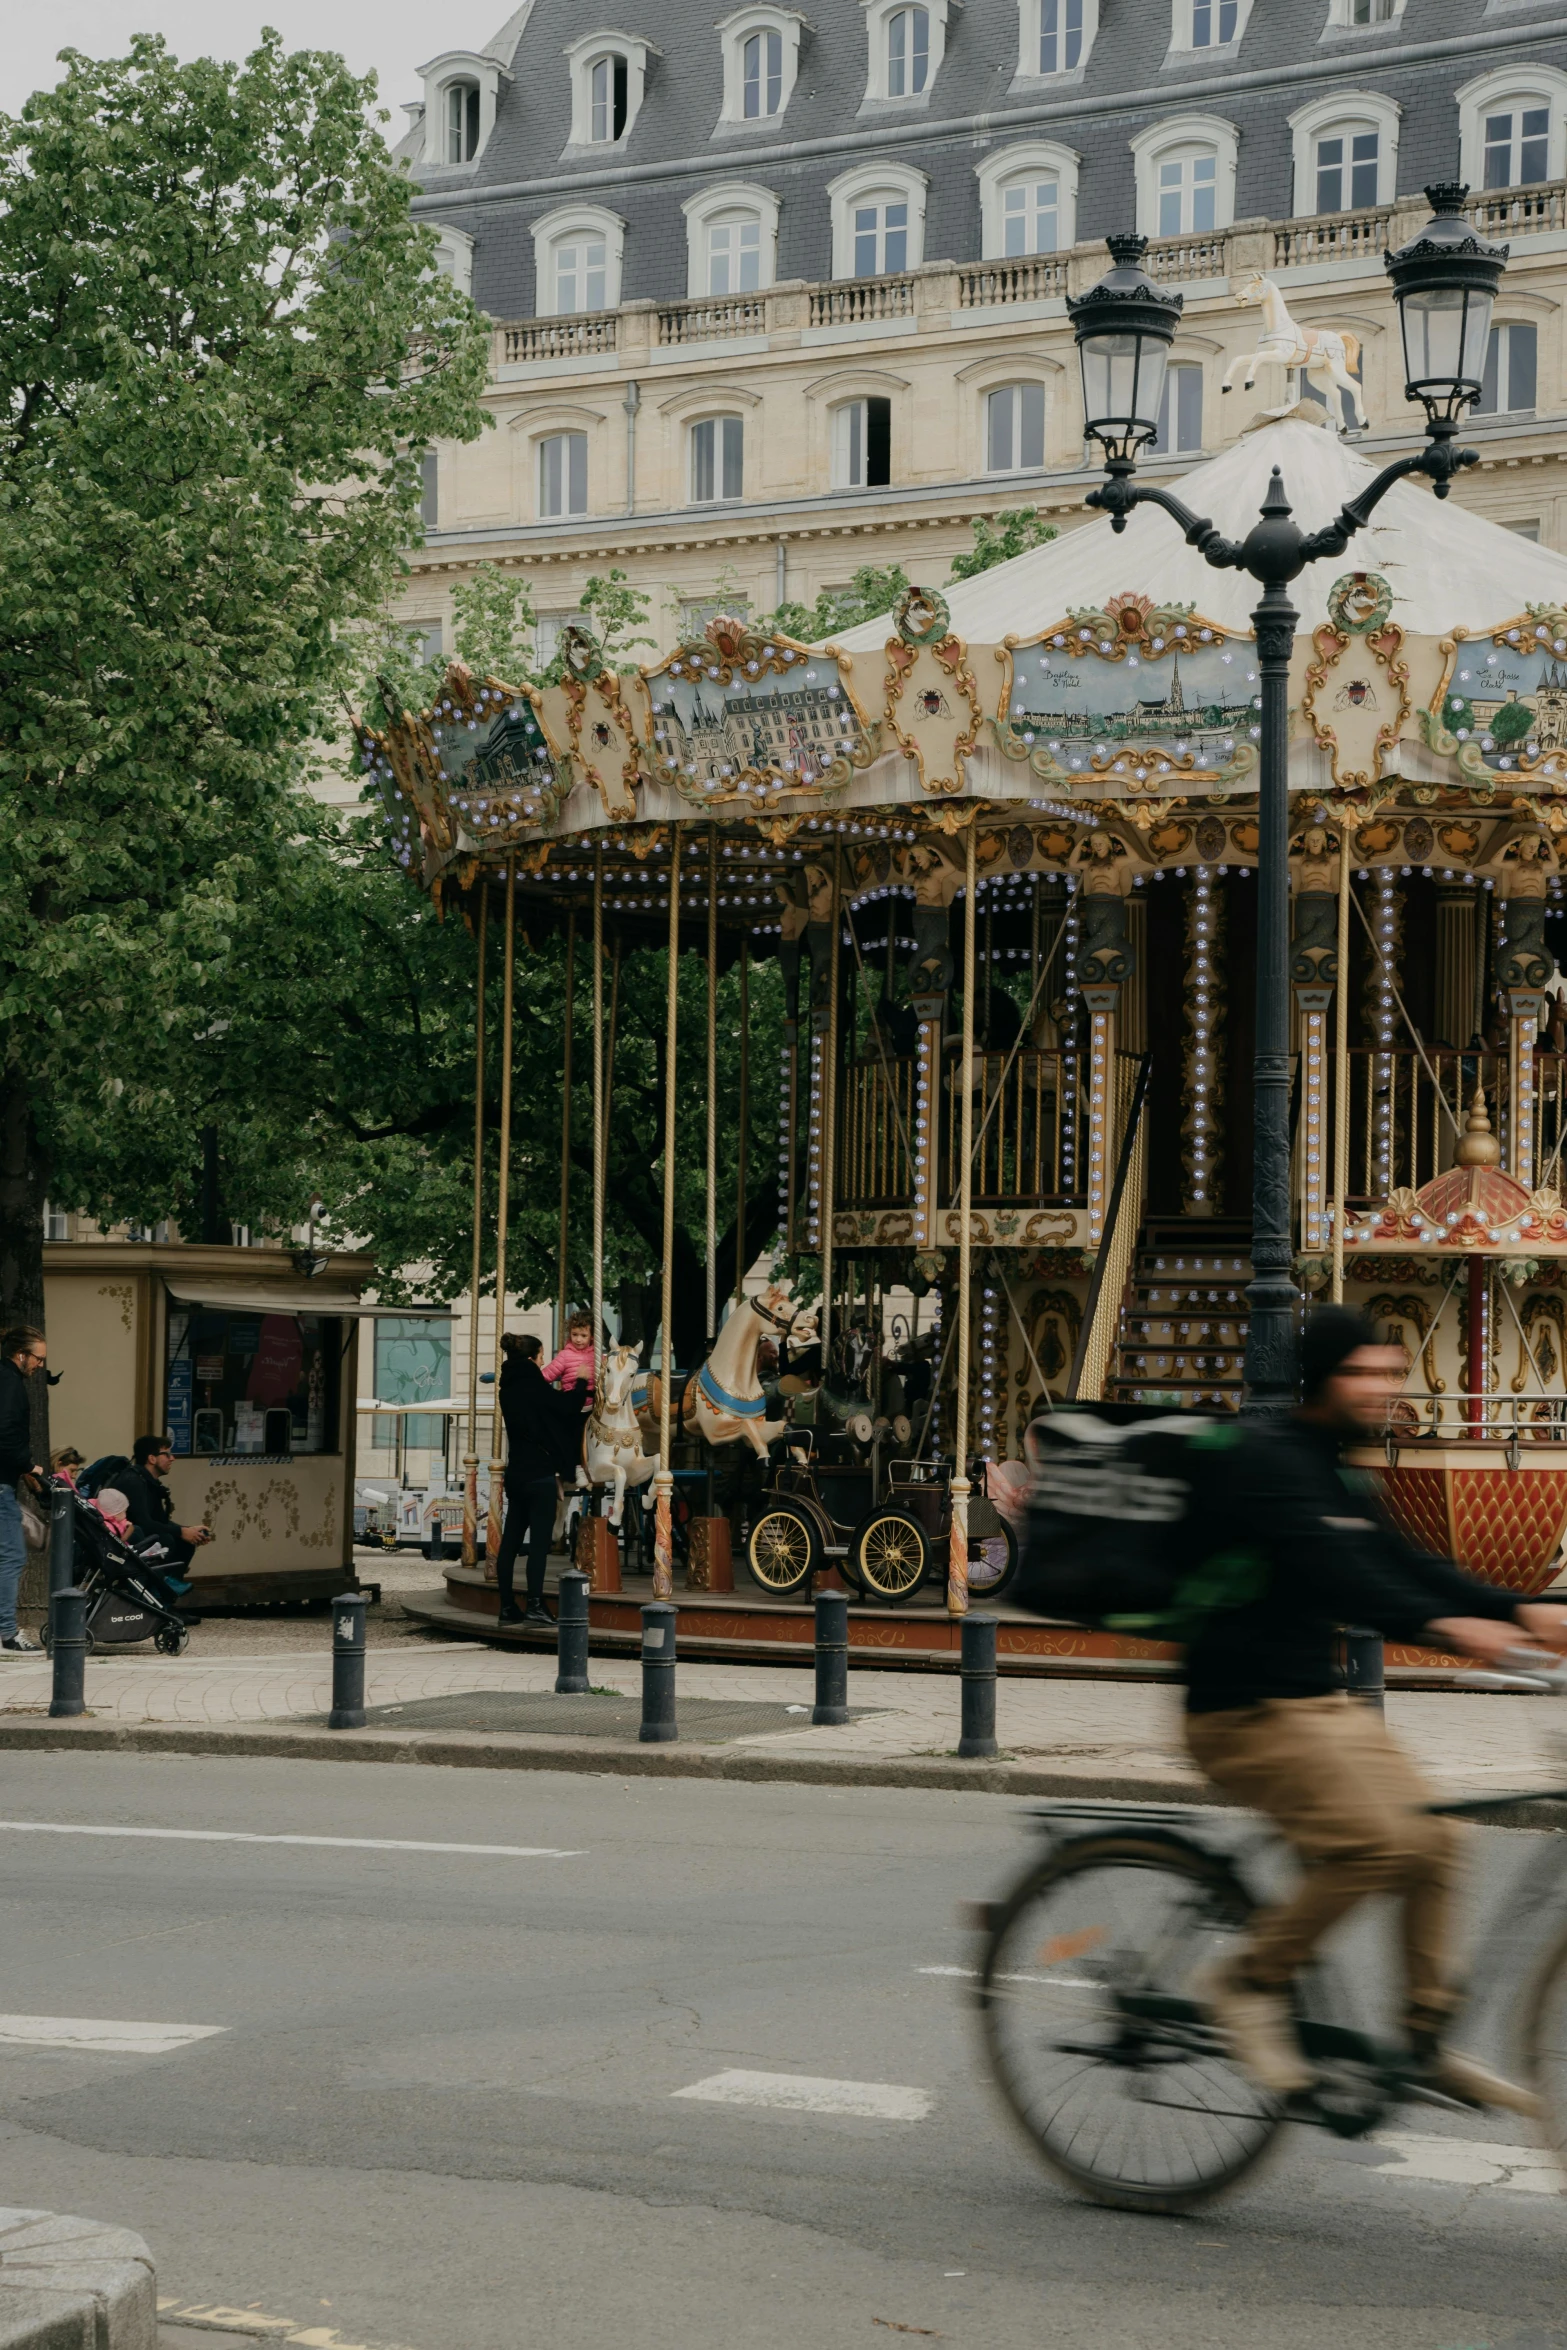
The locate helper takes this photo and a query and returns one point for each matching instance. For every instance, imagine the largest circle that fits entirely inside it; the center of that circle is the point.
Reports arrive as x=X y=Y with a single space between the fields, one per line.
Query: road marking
x=338 y=1843
x=99 y=2036
x=881 y=2101
x=1470 y=2162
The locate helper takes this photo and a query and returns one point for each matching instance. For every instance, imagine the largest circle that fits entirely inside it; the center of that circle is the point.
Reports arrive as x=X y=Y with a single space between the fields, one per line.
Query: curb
x=476 y=1750
x=74 y=2284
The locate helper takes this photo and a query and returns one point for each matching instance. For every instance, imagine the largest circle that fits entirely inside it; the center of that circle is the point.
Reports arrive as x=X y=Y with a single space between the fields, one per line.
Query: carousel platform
x=753 y=1627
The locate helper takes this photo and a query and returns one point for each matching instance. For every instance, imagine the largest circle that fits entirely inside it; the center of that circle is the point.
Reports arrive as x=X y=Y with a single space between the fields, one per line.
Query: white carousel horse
x=1323 y=354
x=612 y=1440
x=723 y=1401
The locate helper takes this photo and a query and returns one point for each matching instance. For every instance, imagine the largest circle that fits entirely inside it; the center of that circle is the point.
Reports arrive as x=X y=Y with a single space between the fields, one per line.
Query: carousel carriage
x=820 y=1513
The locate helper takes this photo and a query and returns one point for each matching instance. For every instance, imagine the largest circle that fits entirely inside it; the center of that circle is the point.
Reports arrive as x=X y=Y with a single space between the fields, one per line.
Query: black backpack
x=1116 y=1516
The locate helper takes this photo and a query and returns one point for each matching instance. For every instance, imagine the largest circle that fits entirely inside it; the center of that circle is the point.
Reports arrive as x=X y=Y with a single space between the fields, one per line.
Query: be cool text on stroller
x=128 y=1599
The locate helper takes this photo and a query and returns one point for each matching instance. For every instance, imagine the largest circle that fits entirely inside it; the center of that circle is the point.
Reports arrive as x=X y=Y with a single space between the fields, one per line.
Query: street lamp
x=1444 y=282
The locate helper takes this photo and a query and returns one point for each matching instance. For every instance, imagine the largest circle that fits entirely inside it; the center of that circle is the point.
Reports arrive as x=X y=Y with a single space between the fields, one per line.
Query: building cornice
x=1500 y=39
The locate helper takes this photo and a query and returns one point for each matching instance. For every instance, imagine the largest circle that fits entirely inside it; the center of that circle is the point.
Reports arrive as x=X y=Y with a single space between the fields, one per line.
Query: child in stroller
x=130 y=1592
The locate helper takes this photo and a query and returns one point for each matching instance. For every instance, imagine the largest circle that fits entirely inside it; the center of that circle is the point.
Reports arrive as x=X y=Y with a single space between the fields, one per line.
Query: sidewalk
x=470 y=1703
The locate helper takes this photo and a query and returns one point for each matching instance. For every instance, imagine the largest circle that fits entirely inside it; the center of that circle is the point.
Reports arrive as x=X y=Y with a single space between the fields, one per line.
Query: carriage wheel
x=992 y=1561
x=782 y=1550
x=890 y=1554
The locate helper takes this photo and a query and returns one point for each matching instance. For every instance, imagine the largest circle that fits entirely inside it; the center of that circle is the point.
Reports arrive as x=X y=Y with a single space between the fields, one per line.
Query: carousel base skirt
x=753 y=1628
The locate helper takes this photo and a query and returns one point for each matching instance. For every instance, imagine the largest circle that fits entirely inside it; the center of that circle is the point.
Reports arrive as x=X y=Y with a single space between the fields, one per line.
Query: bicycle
x=1116 y=2073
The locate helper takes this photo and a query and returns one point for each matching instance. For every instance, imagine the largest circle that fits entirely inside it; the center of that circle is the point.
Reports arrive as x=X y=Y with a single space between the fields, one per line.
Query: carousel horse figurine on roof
x=1324 y=356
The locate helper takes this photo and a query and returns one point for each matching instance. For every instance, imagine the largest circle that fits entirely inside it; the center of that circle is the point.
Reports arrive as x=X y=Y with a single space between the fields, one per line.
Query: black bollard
x=435 y=1548
x=348 y=1662
x=1363 y=1666
x=62 y=1538
x=979 y=1688
x=68 y=1651
x=832 y=1657
x=571 y=1635
x=658 y=1675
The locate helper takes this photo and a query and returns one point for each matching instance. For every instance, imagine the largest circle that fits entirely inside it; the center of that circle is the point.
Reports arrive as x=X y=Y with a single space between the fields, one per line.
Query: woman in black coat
x=543 y=1437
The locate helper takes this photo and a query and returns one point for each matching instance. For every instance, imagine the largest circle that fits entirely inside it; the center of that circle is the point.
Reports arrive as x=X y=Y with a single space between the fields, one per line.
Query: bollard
x=62 y=1538
x=1363 y=1666
x=832 y=1658
x=658 y=1675
x=348 y=1662
x=435 y=1548
x=571 y=1635
x=68 y=1652
x=979 y=1688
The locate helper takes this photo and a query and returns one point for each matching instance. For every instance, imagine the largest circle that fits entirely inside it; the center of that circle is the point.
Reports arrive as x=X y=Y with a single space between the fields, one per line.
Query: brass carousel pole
x=470 y=1465
x=565 y=1131
x=745 y=1110
x=663 y=1483
x=712 y=1083
x=957 y=1542
x=1341 y=1063
x=600 y=1139
x=492 y=1531
x=830 y=1110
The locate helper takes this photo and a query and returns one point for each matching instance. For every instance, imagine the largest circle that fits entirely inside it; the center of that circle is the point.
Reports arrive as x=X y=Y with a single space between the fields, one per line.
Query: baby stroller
x=128 y=1599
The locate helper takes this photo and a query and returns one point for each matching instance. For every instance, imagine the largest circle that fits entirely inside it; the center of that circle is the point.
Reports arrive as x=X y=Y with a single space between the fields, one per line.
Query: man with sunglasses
x=22 y=1352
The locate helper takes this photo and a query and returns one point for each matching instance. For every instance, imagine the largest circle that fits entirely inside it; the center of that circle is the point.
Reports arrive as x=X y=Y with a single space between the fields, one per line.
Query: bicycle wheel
x=890 y=1554
x=782 y=1550
x=1095 y=2038
x=1545 y=2042
x=992 y=1561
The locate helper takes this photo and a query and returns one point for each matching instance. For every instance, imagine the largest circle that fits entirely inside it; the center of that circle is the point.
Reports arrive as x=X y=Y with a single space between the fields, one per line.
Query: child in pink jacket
x=575 y=1359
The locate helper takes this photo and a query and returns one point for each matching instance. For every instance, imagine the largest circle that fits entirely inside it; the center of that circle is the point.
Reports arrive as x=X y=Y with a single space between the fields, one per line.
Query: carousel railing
x=1406 y=1113
x=875 y=1123
x=1454 y=1417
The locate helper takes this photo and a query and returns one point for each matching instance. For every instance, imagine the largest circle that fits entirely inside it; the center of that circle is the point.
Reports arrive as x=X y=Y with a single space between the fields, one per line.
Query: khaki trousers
x=1341 y=1790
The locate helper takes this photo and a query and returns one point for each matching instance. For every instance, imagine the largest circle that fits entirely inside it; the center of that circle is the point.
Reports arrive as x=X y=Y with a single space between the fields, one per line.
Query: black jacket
x=16 y=1441
x=543 y=1426
x=148 y=1502
x=1326 y=1554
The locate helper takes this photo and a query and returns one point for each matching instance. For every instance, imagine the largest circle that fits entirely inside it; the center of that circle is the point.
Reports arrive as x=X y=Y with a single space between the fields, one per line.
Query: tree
x=1015 y=532
x=224 y=348
x=873 y=591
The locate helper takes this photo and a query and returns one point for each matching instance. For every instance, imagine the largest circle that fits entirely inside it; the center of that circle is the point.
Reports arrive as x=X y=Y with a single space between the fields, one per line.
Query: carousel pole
x=1341 y=1063
x=745 y=1110
x=957 y=1540
x=565 y=1131
x=712 y=1083
x=470 y=1465
x=830 y=1110
x=663 y=1482
x=600 y=1138
x=492 y=1531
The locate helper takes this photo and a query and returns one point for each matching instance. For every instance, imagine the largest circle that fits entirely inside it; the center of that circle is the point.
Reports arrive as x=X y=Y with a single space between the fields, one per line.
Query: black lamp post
x=1444 y=282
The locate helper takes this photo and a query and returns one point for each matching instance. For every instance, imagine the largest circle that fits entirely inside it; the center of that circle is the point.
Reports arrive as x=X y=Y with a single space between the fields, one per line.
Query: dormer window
x=1060 y=35
x=761 y=66
x=1203 y=26
x=878 y=220
x=462 y=122
x=460 y=95
x=1027 y=201
x=761 y=57
x=908 y=52
x=907 y=43
x=577 y=254
x=1346 y=152
x=1517 y=141
x=608 y=75
x=1512 y=127
x=731 y=240
x=1186 y=176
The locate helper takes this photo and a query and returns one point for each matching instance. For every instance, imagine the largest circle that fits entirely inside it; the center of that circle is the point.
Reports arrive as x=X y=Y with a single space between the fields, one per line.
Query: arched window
x=1346 y=152
x=1027 y=201
x=1512 y=127
x=1508 y=383
x=1186 y=176
x=462 y=122
x=761 y=45
x=908 y=52
x=577 y=253
x=862 y=444
x=563 y=475
x=1206 y=25
x=608 y=75
x=1015 y=428
x=1060 y=35
x=717 y=459
x=608 y=100
x=761 y=75
x=1180 y=410
x=731 y=240
x=878 y=220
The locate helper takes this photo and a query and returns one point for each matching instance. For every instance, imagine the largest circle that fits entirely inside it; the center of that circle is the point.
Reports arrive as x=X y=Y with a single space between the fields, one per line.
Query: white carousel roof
x=1447 y=568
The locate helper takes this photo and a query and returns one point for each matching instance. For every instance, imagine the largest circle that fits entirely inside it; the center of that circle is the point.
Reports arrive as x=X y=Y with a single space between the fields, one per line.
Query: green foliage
x=1512 y=722
x=874 y=589
x=223 y=351
x=1456 y=713
x=493 y=623
x=998 y=538
x=617 y=614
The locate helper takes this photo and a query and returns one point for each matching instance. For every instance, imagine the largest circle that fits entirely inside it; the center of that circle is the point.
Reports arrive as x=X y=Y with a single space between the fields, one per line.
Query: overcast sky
x=391 y=37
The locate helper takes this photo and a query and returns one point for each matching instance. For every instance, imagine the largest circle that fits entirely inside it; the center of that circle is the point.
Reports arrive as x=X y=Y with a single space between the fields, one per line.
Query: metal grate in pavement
x=593 y=1716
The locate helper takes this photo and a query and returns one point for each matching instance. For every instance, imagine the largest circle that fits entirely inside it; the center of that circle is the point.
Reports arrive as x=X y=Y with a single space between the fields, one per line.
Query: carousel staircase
x=1183 y=1320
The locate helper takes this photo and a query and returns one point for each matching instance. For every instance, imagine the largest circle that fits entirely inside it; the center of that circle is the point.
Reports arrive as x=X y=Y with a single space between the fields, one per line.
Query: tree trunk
x=23 y=1182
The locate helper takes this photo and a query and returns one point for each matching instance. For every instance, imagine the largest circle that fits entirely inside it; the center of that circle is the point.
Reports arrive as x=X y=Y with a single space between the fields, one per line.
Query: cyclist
x=1269 y=1723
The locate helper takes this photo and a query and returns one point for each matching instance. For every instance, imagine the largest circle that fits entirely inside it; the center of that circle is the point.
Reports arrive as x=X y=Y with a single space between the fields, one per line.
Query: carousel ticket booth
x=250 y=1368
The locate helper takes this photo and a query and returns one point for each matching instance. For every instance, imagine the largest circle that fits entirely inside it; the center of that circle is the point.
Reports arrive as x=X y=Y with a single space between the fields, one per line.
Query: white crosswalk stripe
x=882 y=2101
x=99 y=2036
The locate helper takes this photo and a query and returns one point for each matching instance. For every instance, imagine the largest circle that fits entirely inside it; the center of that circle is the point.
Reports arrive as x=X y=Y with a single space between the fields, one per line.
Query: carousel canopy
x=1447 y=568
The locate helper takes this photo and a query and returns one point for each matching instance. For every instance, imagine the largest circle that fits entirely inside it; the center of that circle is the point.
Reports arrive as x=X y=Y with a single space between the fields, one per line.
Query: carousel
x=1003 y=848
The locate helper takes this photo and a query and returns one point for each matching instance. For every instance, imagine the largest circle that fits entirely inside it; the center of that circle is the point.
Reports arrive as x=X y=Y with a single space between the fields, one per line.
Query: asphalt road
x=440 y=2110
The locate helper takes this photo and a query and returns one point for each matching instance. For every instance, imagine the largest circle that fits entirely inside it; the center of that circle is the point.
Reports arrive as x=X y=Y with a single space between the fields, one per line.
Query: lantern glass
x=1123 y=384
x=1446 y=330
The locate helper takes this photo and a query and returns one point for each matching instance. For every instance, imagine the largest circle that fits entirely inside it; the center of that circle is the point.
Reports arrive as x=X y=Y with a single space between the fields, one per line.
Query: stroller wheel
x=171 y=1639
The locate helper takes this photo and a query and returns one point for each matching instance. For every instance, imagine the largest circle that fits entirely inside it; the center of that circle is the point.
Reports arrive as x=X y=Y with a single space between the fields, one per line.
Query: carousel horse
x=723 y=1401
x=1323 y=355
x=612 y=1440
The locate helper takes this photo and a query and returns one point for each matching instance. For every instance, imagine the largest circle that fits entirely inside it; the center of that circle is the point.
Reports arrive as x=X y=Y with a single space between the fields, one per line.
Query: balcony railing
x=1337 y=236
x=702 y=322
x=1029 y=280
x=1403 y=1126
x=859 y=299
x=1519 y=212
x=1207 y=256
x=558 y=338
